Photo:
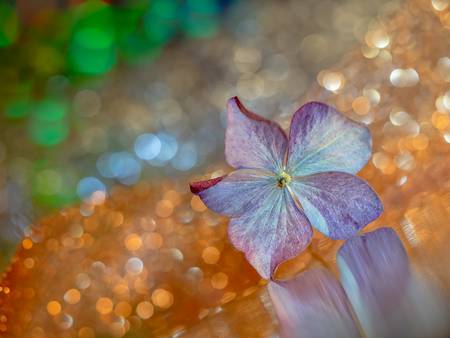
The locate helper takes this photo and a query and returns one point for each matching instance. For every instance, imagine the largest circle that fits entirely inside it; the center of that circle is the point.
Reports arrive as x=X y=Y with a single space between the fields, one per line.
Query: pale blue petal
x=321 y=140
x=337 y=204
x=236 y=193
x=271 y=231
x=251 y=141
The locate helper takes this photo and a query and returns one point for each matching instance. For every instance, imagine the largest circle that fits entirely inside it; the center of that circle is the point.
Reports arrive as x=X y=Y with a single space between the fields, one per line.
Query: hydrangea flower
x=284 y=185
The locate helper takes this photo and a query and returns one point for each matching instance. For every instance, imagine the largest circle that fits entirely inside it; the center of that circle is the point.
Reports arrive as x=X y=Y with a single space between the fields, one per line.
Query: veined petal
x=313 y=305
x=252 y=141
x=271 y=231
x=337 y=204
x=236 y=193
x=321 y=139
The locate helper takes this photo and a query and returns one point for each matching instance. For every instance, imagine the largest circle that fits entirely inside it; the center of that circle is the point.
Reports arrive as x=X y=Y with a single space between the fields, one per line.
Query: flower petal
x=198 y=187
x=321 y=139
x=375 y=273
x=236 y=193
x=271 y=231
x=389 y=298
x=252 y=141
x=337 y=204
x=313 y=305
x=363 y=259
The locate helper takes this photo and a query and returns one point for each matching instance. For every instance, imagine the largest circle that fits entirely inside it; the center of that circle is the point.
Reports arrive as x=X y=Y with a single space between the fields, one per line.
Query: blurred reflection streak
x=15 y=210
x=313 y=305
x=389 y=298
x=377 y=256
x=250 y=316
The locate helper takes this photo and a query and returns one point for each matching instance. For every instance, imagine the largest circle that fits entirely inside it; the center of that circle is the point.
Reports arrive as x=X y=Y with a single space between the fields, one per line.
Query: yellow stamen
x=283 y=179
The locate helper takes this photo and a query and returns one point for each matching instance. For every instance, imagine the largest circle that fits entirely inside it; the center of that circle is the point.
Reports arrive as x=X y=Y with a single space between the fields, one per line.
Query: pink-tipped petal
x=336 y=203
x=198 y=187
x=271 y=231
x=251 y=141
x=321 y=139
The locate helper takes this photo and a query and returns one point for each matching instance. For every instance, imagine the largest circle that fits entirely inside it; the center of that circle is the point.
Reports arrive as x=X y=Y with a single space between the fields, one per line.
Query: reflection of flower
x=284 y=185
x=313 y=305
x=388 y=299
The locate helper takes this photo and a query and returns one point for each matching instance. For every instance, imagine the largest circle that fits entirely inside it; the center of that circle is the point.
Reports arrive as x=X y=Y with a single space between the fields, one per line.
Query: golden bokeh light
x=162 y=298
x=153 y=240
x=133 y=242
x=211 y=255
x=219 y=280
x=27 y=243
x=72 y=296
x=123 y=309
x=144 y=310
x=53 y=307
x=104 y=305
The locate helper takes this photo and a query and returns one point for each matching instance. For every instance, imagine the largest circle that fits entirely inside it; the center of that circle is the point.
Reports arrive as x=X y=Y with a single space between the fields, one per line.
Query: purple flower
x=283 y=185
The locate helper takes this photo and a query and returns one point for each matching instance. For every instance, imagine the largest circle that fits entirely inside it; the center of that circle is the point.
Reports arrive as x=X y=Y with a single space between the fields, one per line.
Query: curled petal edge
x=198 y=187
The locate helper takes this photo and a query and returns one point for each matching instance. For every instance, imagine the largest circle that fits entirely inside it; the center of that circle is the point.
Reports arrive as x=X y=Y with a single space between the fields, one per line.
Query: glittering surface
x=149 y=259
x=408 y=114
x=159 y=117
x=152 y=259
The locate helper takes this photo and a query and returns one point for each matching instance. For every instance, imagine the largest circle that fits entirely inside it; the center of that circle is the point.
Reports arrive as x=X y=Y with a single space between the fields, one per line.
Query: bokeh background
x=109 y=108
x=83 y=80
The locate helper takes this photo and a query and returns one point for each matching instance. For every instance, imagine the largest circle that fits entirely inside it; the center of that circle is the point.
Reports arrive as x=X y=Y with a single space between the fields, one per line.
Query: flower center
x=283 y=179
